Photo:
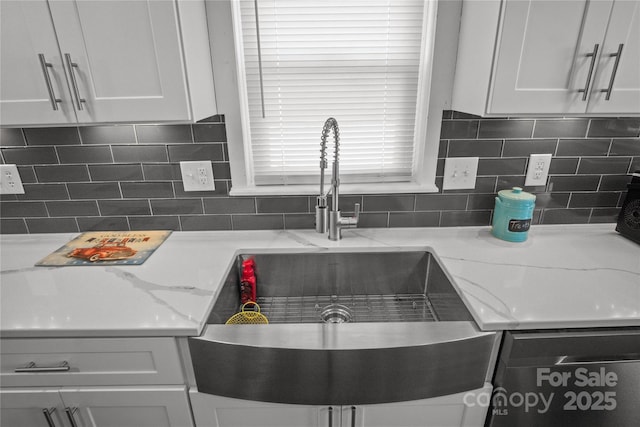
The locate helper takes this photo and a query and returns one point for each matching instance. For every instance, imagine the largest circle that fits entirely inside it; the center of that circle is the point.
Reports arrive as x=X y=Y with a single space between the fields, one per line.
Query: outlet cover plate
x=10 y=181
x=538 y=169
x=197 y=176
x=460 y=173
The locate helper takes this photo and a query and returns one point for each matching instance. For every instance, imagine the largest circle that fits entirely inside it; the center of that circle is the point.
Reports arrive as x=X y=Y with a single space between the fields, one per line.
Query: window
x=367 y=63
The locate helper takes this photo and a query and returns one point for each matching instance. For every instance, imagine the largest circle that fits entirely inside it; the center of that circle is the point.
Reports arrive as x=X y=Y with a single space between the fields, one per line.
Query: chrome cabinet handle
x=593 y=56
x=330 y=416
x=47 y=415
x=618 y=54
x=47 y=80
x=32 y=367
x=74 y=82
x=353 y=416
x=72 y=419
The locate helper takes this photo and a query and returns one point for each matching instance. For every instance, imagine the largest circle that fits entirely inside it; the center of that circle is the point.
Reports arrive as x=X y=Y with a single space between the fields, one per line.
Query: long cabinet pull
x=72 y=419
x=618 y=54
x=47 y=80
x=74 y=83
x=47 y=415
x=32 y=367
x=353 y=416
x=593 y=56
x=330 y=416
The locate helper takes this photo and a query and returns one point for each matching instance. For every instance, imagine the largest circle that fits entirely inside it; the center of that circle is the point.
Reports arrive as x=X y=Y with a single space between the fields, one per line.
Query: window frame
x=441 y=45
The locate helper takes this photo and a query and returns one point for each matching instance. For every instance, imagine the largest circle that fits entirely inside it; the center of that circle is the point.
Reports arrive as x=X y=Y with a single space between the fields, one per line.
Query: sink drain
x=335 y=313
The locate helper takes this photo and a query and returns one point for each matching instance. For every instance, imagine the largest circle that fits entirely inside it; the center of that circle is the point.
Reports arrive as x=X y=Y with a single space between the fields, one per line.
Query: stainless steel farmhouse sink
x=345 y=327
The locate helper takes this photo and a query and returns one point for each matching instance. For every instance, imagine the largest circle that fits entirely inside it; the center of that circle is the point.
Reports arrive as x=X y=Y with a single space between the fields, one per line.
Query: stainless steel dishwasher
x=568 y=378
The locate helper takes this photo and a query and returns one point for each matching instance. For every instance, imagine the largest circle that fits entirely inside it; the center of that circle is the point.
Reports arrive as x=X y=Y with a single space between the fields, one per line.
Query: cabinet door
x=467 y=409
x=129 y=407
x=542 y=59
x=623 y=29
x=26 y=408
x=26 y=87
x=216 y=411
x=129 y=59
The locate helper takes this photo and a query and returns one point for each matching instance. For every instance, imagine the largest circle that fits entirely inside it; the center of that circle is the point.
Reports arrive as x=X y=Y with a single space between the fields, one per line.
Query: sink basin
x=398 y=286
x=346 y=327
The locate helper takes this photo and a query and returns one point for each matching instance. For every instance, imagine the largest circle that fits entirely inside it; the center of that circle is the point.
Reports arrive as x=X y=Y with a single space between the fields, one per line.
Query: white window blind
x=355 y=60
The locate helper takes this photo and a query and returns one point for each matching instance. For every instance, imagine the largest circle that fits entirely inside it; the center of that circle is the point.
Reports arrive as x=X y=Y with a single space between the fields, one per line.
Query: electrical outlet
x=197 y=176
x=538 y=169
x=460 y=173
x=10 y=182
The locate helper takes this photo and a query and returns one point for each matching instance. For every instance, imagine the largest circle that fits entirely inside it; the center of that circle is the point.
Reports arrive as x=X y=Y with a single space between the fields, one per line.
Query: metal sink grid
x=363 y=308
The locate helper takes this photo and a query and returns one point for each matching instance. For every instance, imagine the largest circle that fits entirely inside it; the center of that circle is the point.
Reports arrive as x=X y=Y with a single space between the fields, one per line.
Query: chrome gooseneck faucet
x=325 y=219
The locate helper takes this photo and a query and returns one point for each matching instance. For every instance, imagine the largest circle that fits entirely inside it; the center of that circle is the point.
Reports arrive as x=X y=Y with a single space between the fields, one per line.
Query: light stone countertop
x=567 y=276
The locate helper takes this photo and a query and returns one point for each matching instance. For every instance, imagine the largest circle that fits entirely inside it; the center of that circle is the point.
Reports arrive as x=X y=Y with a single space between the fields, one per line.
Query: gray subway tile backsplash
x=94 y=190
x=103 y=223
x=298 y=204
x=85 y=154
x=124 y=207
x=123 y=134
x=125 y=176
x=615 y=127
x=13 y=226
x=625 y=147
x=62 y=173
x=499 y=128
x=164 y=134
x=475 y=148
x=561 y=128
x=205 y=222
x=116 y=172
x=604 y=165
x=44 y=191
x=139 y=153
x=30 y=156
x=136 y=190
x=583 y=147
x=526 y=147
x=187 y=152
x=72 y=208
x=11 y=137
x=52 y=225
x=176 y=207
x=258 y=222
x=399 y=203
x=459 y=129
x=594 y=200
x=52 y=136
x=154 y=223
x=210 y=132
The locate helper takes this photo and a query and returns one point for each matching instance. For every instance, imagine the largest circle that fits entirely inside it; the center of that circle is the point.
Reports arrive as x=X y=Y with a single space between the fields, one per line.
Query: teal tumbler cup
x=512 y=215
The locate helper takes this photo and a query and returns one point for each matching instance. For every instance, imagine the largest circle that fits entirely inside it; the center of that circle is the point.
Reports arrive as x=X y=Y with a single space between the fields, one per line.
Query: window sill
x=304 y=190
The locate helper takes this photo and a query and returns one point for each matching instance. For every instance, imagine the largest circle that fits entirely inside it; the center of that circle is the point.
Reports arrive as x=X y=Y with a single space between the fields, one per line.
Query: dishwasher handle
x=592 y=360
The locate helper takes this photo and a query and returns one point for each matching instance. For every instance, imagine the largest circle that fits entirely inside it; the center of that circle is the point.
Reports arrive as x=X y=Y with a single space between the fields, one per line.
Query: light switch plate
x=460 y=173
x=538 y=169
x=197 y=176
x=10 y=182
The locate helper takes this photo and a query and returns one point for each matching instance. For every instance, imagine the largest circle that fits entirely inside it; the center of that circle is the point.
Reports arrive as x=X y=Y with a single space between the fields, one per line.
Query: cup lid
x=516 y=194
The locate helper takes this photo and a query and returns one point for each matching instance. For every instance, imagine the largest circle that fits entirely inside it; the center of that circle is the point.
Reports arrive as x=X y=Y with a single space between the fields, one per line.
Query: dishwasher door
x=567 y=378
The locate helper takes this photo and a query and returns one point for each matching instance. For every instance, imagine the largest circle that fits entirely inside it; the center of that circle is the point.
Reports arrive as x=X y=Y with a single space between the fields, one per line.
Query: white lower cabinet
x=92 y=382
x=122 y=407
x=467 y=409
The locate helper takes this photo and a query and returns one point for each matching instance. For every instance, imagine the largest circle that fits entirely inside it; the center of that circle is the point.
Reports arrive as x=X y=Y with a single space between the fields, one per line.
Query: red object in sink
x=248 y=281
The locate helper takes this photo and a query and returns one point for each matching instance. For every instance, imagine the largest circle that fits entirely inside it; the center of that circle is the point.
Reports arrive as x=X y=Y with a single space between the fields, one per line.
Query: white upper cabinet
x=104 y=61
x=549 y=57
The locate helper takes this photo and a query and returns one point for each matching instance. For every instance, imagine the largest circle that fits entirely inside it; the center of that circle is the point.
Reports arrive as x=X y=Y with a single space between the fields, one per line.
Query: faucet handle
x=356 y=212
x=351 y=221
